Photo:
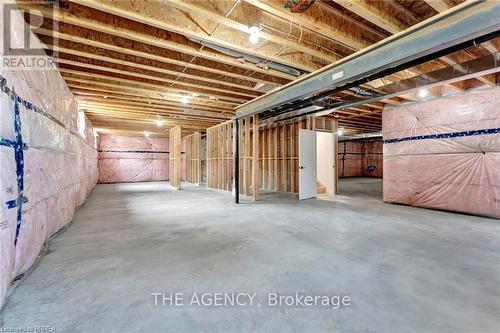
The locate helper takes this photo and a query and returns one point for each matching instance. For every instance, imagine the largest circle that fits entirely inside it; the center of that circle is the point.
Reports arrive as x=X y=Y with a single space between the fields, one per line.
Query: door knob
x=301 y=167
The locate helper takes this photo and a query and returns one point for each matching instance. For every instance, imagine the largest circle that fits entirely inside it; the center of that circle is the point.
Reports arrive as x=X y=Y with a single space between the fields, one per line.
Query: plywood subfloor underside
x=406 y=269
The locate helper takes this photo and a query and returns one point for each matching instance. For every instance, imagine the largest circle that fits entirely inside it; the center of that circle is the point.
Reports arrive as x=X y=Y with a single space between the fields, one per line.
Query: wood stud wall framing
x=193 y=162
x=220 y=156
x=277 y=166
x=279 y=153
x=174 y=170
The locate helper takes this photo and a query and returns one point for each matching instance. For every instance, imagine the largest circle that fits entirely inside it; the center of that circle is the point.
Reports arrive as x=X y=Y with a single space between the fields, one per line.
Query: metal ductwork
x=249 y=58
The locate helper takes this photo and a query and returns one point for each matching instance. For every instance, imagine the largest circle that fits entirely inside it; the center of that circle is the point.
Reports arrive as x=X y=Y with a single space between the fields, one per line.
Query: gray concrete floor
x=405 y=269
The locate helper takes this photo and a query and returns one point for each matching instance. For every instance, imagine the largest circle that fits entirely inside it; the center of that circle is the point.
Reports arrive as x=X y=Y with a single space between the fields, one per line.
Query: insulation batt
x=459 y=173
x=60 y=164
x=134 y=159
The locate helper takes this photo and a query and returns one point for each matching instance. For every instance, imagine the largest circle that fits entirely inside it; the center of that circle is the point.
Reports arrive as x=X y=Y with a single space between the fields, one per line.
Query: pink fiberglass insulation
x=360 y=158
x=48 y=161
x=445 y=153
x=133 y=159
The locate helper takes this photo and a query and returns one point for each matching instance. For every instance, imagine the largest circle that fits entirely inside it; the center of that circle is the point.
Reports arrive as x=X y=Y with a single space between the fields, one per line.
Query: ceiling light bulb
x=146 y=134
x=422 y=93
x=254 y=38
x=254 y=31
x=340 y=131
x=159 y=122
x=184 y=99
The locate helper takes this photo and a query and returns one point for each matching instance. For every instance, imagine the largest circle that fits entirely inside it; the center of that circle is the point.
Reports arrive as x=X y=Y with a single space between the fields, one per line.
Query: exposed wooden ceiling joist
x=371 y=14
x=153 y=13
x=118 y=31
x=108 y=59
x=333 y=33
x=438 y=5
x=145 y=84
x=136 y=59
x=156 y=78
x=155 y=109
x=151 y=56
x=86 y=89
x=194 y=7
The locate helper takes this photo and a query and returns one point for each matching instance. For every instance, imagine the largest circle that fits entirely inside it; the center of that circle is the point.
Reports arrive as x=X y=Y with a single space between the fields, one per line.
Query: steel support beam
x=236 y=160
x=486 y=65
x=460 y=27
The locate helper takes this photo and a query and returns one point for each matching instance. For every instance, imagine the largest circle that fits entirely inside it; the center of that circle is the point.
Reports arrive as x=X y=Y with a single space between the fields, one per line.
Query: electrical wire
x=228 y=12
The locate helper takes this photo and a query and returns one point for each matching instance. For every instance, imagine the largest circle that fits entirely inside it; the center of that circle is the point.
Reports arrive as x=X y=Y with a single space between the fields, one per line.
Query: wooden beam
x=362 y=25
x=490 y=47
x=370 y=14
x=438 y=5
x=255 y=158
x=174 y=170
x=331 y=32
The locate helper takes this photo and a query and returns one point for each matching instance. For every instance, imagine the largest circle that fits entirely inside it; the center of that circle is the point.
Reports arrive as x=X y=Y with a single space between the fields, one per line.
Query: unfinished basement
x=250 y=166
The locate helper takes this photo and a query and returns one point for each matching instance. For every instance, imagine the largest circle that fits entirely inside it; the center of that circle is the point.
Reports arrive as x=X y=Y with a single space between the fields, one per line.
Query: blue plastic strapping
x=7 y=143
x=487 y=131
x=19 y=157
x=19 y=147
x=11 y=143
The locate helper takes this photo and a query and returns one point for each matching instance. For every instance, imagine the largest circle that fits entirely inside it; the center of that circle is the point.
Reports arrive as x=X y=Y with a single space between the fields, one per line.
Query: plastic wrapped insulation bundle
x=135 y=159
x=48 y=159
x=132 y=159
x=445 y=153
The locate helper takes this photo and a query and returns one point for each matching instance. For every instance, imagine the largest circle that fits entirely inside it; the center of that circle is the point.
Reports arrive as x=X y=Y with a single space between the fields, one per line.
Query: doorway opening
x=360 y=163
x=317 y=172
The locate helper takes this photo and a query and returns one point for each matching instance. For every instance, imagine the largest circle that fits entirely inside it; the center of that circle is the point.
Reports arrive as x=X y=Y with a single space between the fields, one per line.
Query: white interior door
x=307 y=164
x=325 y=148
